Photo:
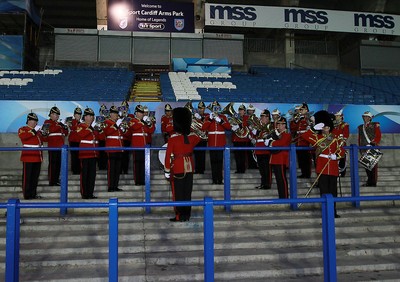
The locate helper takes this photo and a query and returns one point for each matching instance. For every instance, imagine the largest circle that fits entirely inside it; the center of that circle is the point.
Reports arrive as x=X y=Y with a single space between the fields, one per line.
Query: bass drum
x=161 y=156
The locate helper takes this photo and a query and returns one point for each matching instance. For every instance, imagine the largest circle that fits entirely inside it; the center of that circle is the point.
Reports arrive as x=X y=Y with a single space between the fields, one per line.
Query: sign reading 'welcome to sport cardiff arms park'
x=137 y=15
x=231 y=15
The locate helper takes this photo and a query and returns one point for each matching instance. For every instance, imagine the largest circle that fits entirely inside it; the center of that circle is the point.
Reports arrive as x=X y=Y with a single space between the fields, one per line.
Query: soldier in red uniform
x=138 y=129
x=276 y=115
x=74 y=140
x=369 y=134
x=127 y=140
x=251 y=163
x=179 y=165
x=216 y=124
x=239 y=140
x=342 y=130
x=329 y=149
x=55 y=139
x=89 y=137
x=167 y=127
x=279 y=160
x=152 y=126
x=200 y=155
x=32 y=160
x=114 y=136
x=260 y=135
x=301 y=125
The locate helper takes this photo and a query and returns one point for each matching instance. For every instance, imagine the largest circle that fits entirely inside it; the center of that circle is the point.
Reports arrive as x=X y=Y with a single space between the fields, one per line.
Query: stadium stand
x=91 y=84
x=279 y=85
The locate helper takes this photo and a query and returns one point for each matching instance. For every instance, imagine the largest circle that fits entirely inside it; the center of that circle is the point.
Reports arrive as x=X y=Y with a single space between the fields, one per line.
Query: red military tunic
x=182 y=160
x=73 y=136
x=298 y=128
x=30 y=139
x=343 y=129
x=150 y=131
x=244 y=124
x=326 y=146
x=216 y=131
x=282 y=156
x=89 y=139
x=57 y=133
x=113 y=135
x=167 y=125
x=138 y=131
x=260 y=140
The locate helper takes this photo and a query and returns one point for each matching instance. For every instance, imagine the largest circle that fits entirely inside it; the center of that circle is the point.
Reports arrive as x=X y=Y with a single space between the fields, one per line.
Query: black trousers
x=200 y=158
x=304 y=161
x=114 y=169
x=216 y=159
x=138 y=169
x=182 y=186
x=328 y=185
x=30 y=179
x=251 y=163
x=75 y=163
x=54 y=167
x=281 y=180
x=342 y=166
x=125 y=158
x=265 y=170
x=240 y=157
x=88 y=177
x=102 y=160
x=372 y=176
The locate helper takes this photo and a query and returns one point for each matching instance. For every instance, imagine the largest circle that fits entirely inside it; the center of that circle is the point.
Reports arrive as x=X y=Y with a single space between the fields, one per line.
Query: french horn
x=234 y=119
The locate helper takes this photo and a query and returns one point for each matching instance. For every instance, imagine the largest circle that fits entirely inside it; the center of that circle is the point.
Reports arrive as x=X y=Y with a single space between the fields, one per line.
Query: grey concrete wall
x=330 y=62
x=10 y=160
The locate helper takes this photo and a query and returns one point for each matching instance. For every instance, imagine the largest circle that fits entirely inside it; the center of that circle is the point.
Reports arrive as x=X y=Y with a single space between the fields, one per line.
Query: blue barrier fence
x=353 y=149
x=327 y=207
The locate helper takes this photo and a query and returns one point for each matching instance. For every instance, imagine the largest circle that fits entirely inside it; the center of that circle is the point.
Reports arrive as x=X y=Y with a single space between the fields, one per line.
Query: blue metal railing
x=328 y=228
x=354 y=149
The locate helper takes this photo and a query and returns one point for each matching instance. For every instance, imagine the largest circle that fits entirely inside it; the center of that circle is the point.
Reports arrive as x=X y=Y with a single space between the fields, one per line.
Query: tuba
x=255 y=123
x=234 y=119
x=196 y=125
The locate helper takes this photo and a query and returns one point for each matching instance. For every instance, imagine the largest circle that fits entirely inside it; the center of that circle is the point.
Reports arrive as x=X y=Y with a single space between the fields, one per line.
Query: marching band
x=117 y=128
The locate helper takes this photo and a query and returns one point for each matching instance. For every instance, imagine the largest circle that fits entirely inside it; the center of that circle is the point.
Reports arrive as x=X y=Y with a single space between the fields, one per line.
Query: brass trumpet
x=234 y=119
x=196 y=125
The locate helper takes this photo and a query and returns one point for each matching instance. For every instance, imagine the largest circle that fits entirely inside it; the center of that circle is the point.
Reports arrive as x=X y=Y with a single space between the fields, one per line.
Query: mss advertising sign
x=139 y=15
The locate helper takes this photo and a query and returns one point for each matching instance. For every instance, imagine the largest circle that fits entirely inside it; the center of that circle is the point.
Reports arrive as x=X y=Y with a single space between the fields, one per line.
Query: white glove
x=218 y=119
x=211 y=116
x=118 y=121
x=319 y=126
x=267 y=142
x=196 y=115
x=254 y=131
x=146 y=118
x=37 y=127
x=235 y=127
x=167 y=175
x=93 y=124
x=333 y=157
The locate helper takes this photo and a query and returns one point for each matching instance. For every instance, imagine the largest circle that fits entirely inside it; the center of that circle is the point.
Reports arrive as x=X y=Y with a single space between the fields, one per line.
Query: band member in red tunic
x=74 y=140
x=329 y=149
x=114 y=136
x=369 y=134
x=240 y=140
x=200 y=155
x=55 y=139
x=251 y=163
x=32 y=160
x=260 y=135
x=89 y=137
x=152 y=126
x=179 y=165
x=342 y=130
x=216 y=124
x=279 y=160
x=167 y=127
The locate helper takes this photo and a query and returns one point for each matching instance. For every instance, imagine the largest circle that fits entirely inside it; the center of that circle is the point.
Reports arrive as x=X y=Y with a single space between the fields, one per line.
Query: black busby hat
x=182 y=119
x=54 y=110
x=78 y=111
x=201 y=105
x=88 y=112
x=325 y=118
x=168 y=107
x=31 y=116
x=114 y=109
x=139 y=108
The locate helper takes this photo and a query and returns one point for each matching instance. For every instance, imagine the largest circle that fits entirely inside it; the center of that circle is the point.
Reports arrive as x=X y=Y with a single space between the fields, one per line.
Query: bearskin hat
x=325 y=118
x=54 y=110
x=182 y=119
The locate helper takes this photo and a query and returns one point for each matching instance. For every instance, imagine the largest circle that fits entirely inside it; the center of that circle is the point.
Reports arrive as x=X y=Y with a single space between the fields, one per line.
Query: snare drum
x=370 y=158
